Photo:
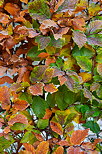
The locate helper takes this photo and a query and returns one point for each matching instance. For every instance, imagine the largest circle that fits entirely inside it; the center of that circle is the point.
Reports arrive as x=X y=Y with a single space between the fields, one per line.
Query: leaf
x=79 y=38
x=19 y=118
x=94 y=86
x=6 y=79
x=36 y=89
x=39 y=106
x=78 y=136
x=43 y=148
x=33 y=52
x=95 y=41
x=24 y=1
x=85 y=63
x=28 y=136
x=42 y=123
x=5 y=101
x=62 y=80
x=94 y=127
x=47 y=75
x=87 y=94
x=20 y=105
x=47 y=114
x=56 y=127
x=18 y=126
x=4 y=18
x=29 y=148
x=99 y=68
x=42 y=41
x=60 y=150
x=50 y=88
x=11 y=8
x=85 y=76
x=73 y=150
x=59 y=3
x=94 y=25
x=79 y=24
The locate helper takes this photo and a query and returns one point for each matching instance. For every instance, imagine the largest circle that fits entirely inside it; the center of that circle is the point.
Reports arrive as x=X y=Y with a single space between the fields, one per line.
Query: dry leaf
x=43 y=148
x=59 y=150
x=12 y=8
x=29 y=148
x=21 y=105
x=56 y=127
x=50 y=88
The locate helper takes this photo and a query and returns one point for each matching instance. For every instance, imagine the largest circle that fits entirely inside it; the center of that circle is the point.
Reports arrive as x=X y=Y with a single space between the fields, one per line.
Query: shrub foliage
x=51 y=62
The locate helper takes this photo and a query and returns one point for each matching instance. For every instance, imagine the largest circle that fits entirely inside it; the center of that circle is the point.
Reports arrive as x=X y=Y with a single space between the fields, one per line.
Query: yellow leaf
x=85 y=76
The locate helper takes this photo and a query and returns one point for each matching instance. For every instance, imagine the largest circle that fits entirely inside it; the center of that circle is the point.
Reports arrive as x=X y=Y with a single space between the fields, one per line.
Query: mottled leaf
x=20 y=105
x=56 y=127
x=60 y=150
x=94 y=25
x=99 y=68
x=43 y=148
x=11 y=8
x=50 y=88
x=29 y=148
x=73 y=150
x=94 y=41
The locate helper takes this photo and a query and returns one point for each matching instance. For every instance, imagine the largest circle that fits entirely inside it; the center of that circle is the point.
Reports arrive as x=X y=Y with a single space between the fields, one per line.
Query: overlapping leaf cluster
x=51 y=62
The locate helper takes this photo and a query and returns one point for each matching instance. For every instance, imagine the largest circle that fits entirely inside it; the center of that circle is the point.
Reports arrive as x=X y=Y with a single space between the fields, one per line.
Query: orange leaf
x=50 y=88
x=38 y=136
x=29 y=148
x=7 y=130
x=6 y=79
x=24 y=1
x=60 y=2
x=61 y=32
x=21 y=105
x=72 y=150
x=21 y=72
x=5 y=97
x=85 y=76
x=63 y=143
x=79 y=24
x=11 y=8
x=19 y=118
x=50 y=60
x=62 y=80
x=24 y=152
x=4 y=18
x=59 y=150
x=78 y=136
x=36 y=89
x=2 y=70
x=42 y=148
x=47 y=114
x=43 y=55
x=56 y=127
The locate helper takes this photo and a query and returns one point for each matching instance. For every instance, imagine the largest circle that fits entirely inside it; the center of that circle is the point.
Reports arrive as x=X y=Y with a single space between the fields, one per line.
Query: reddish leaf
x=2 y=70
x=38 y=136
x=6 y=79
x=59 y=150
x=11 y=8
x=78 y=24
x=95 y=41
x=78 y=136
x=7 y=130
x=60 y=2
x=56 y=127
x=21 y=105
x=42 y=148
x=32 y=33
x=50 y=60
x=63 y=143
x=43 y=55
x=95 y=25
x=21 y=72
x=61 y=32
x=19 y=118
x=5 y=97
x=29 y=148
x=36 y=89
x=72 y=150
x=79 y=38
x=50 y=88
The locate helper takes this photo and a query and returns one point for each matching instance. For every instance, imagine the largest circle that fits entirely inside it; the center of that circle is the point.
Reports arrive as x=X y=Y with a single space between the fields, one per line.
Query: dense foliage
x=51 y=62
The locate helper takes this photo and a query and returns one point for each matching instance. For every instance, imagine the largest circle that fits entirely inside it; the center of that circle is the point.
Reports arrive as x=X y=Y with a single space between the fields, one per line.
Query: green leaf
x=57 y=43
x=94 y=127
x=28 y=136
x=85 y=63
x=50 y=100
x=84 y=109
x=39 y=106
x=25 y=96
x=33 y=53
x=42 y=123
x=82 y=52
x=39 y=7
x=18 y=126
x=43 y=42
x=70 y=118
x=61 y=117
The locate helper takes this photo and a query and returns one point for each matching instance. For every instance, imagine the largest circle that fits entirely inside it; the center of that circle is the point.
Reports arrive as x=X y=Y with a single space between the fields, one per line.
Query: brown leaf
x=43 y=55
x=94 y=86
x=2 y=70
x=87 y=94
x=21 y=72
x=50 y=60
x=5 y=101
x=50 y=88
x=36 y=89
x=11 y=8
x=99 y=68
x=59 y=150
x=78 y=136
x=19 y=118
x=32 y=33
x=63 y=143
x=6 y=79
x=95 y=41
x=61 y=32
x=79 y=38
x=7 y=130
x=73 y=150
x=24 y=1
x=56 y=127
x=60 y=2
x=20 y=105
x=78 y=24
x=43 y=148
x=38 y=136
x=29 y=148
x=94 y=25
